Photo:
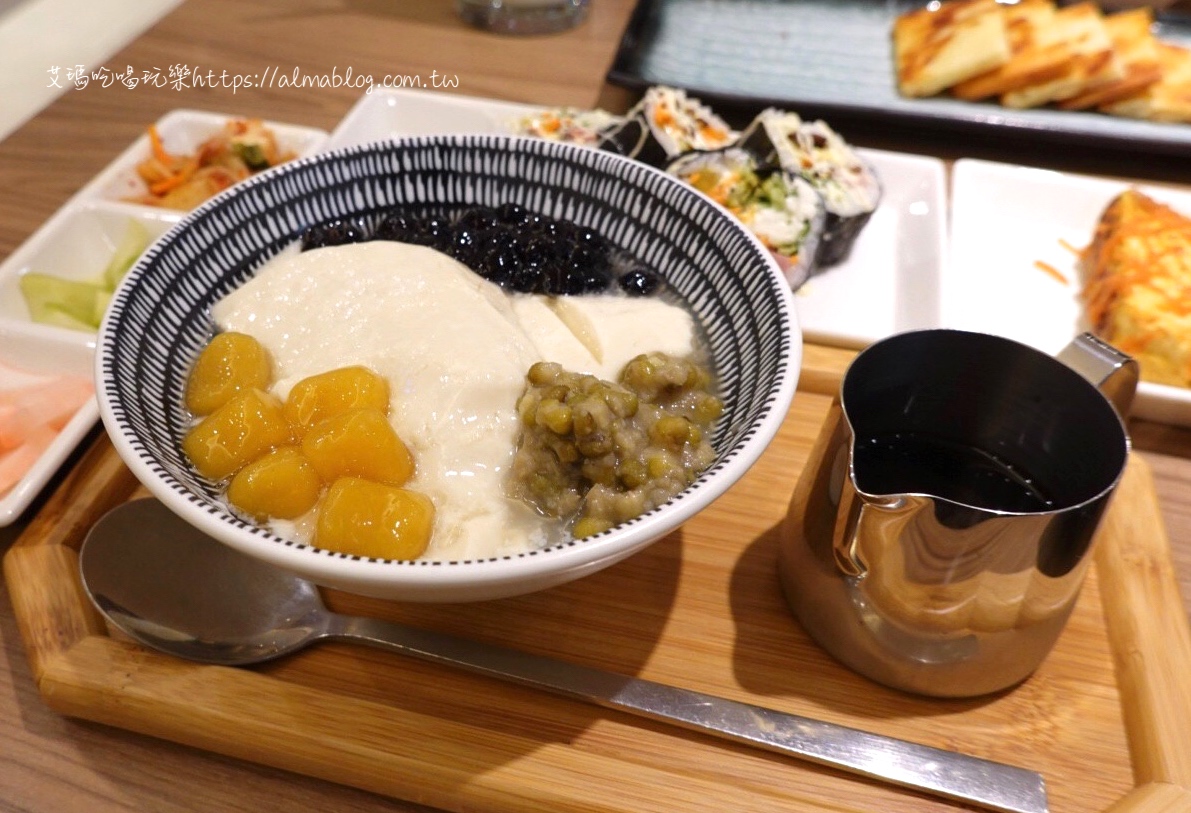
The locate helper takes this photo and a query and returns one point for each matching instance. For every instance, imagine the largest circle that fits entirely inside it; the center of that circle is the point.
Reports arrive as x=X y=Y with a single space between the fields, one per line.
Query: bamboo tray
x=699 y=609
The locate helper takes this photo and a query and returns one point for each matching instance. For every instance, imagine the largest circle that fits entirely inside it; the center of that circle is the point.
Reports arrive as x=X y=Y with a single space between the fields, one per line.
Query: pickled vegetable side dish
x=32 y=413
x=243 y=147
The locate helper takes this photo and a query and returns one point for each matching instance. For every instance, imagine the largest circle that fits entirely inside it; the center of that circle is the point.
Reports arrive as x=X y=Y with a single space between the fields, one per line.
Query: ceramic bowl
x=160 y=318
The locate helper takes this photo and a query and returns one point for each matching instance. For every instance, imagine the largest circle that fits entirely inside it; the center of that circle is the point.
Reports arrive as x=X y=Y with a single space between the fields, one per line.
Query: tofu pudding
x=455 y=349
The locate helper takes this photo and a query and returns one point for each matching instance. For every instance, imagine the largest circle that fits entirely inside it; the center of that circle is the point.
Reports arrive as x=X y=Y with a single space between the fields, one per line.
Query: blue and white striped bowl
x=160 y=318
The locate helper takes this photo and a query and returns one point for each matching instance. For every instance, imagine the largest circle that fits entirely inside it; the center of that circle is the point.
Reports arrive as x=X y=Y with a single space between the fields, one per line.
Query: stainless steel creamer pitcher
x=939 y=535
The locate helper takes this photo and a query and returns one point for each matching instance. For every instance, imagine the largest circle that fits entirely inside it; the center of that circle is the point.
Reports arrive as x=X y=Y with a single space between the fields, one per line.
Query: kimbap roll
x=781 y=208
x=572 y=125
x=849 y=185
x=667 y=123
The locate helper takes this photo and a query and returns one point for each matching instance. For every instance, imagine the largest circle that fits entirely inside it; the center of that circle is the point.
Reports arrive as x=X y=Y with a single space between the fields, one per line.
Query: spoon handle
x=968 y=779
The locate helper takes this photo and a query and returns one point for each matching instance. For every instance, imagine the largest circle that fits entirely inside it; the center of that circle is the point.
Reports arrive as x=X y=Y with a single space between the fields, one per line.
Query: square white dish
x=888 y=284
x=1011 y=227
x=76 y=243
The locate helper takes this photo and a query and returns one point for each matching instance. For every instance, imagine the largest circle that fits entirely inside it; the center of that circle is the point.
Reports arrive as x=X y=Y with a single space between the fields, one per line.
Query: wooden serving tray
x=700 y=609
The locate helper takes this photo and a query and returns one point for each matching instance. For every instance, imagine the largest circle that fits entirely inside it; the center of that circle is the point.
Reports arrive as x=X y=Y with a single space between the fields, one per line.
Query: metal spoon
x=175 y=589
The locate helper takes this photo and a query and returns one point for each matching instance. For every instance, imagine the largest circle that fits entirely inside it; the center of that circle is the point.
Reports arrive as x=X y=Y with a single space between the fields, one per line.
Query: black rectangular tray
x=833 y=59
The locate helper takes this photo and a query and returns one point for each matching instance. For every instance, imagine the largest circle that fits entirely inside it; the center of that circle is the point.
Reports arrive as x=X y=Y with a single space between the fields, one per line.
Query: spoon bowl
x=173 y=588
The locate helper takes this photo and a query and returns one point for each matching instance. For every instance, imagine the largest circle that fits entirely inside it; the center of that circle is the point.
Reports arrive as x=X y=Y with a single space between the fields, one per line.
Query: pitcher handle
x=1113 y=372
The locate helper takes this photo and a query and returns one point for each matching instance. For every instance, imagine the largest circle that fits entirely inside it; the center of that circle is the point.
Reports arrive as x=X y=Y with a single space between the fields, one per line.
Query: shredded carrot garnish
x=241 y=148
x=158 y=148
x=175 y=180
x=1052 y=271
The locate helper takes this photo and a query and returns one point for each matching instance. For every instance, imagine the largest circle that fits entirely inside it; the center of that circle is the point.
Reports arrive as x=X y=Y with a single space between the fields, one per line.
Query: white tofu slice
x=615 y=330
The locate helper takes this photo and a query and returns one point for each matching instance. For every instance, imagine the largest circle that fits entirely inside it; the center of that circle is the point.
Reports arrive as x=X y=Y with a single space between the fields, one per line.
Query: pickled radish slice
x=51 y=402
x=16 y=462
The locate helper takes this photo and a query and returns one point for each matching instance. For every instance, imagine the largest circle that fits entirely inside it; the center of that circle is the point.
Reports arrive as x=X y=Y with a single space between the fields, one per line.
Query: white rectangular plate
x=888 y=284
x=1008 y=225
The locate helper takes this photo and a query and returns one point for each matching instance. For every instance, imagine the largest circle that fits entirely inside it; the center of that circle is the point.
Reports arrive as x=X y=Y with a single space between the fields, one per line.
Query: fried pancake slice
x=1136 y=49
x=1031 y=61
x=937 y=47
x=1168 y=99
x=1137 y=285
x=1080 y=29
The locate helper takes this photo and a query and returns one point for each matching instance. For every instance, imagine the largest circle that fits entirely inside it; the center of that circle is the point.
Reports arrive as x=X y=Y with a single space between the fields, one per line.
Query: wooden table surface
x=50 y=763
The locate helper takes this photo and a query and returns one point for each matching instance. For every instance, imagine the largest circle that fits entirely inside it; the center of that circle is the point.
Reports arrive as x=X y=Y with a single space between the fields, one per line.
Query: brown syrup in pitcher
x=921 y=463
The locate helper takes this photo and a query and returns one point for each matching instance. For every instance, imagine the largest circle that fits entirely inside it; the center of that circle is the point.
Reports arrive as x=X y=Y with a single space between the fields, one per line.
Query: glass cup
x=523 y=16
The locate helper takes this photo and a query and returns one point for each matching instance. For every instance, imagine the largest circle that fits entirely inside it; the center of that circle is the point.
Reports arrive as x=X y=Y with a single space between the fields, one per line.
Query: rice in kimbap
x=848 y=184
x=781 y=208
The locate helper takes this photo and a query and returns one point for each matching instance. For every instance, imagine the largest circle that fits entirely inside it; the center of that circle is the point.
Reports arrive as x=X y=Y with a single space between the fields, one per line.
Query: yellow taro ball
x=358 y=443
x=281 y=485
x=237 y=433
x=363 y=518
x=231 y=363
x=332 y=393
